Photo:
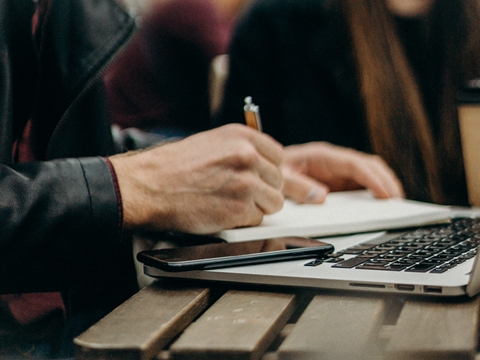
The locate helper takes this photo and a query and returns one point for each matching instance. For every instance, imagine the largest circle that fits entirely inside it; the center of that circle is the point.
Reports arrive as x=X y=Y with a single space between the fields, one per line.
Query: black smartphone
x=217 y=255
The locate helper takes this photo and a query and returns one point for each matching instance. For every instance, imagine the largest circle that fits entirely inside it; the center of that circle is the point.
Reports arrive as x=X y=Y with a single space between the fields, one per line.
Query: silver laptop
x=439 y=260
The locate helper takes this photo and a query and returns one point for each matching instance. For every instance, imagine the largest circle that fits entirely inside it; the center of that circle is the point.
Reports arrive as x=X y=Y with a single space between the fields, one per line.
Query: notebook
x=342 y=213
x=435 y=260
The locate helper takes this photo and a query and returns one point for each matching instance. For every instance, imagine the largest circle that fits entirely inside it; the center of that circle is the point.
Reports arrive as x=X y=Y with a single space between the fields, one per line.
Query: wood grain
x=240 y=325
x=335 y=327
x=436 y=330
x=144 y=324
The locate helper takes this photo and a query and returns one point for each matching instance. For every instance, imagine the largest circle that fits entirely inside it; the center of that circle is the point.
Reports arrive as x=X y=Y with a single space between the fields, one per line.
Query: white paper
x=342 y=213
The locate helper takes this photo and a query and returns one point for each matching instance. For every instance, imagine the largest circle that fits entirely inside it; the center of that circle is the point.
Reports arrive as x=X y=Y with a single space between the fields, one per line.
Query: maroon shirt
x=161 y=81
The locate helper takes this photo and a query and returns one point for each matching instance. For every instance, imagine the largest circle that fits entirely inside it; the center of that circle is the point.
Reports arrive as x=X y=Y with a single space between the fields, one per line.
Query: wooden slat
x=240 y=325
x=428 y=330
x=335 y=327
x=144 y=324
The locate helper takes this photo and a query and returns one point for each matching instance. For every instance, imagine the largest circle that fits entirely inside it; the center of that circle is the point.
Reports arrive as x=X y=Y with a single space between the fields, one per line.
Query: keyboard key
x=372 y=266
x=423 y=266
x=350 y=263
x=315 y=262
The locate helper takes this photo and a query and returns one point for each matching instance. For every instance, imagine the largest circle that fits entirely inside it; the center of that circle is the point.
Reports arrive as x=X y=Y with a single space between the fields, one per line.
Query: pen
x=252 y=114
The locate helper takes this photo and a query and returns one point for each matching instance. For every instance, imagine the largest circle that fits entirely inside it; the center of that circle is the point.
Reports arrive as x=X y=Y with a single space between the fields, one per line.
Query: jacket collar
x=76 y=40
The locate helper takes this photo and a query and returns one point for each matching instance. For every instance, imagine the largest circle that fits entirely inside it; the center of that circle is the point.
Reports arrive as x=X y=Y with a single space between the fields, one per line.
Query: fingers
x=259 y=179
x=269 y=157
x=268 y=199
x=341 y=168
x=263 y=157
x=303 y=189
x=268 y=172
x=374 y=174
x=368 y=171
x=266 y=146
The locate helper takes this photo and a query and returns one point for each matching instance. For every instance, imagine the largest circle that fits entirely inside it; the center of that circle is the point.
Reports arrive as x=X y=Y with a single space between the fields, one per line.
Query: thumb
x=303 y=189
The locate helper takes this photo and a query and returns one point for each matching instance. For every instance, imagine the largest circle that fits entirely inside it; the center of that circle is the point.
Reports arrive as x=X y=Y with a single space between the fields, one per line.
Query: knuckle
x=246 y=156
x=244 y=187
x=243 y=184
x=235 y=129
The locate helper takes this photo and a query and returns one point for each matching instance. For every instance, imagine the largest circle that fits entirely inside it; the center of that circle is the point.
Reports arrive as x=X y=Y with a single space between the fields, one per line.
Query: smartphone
x=217 y=255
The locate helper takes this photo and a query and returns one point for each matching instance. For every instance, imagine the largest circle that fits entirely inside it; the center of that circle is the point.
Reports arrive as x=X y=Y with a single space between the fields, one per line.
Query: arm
x=55 y=215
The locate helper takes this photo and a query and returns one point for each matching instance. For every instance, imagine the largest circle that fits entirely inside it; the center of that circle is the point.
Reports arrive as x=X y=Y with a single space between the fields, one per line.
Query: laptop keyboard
x=434 y=249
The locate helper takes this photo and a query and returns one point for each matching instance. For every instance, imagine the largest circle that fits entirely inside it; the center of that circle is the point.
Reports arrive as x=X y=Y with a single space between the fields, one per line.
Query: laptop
x=436 y=260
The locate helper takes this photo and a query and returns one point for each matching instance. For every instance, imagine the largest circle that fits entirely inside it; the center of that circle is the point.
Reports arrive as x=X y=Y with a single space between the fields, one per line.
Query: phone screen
x=217 y=255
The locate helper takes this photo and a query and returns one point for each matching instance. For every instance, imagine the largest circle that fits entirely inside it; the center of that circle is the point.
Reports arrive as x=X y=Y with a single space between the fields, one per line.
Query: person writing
x=378 y=76
x=69 y=203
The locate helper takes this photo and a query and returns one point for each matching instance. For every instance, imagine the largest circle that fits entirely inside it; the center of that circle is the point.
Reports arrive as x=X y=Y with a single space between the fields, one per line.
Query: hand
x=223 y=178
x=312 y=170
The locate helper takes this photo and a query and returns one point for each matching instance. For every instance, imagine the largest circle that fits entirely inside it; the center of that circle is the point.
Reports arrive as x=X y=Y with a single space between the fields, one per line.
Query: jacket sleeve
x=59 y=219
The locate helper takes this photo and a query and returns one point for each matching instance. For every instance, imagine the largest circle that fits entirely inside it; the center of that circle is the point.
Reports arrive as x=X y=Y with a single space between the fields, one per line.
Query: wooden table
x=178 y=320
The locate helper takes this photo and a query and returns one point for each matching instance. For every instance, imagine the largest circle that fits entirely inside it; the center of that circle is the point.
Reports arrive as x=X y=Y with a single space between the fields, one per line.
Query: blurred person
x=379 y=76
x=161 y=83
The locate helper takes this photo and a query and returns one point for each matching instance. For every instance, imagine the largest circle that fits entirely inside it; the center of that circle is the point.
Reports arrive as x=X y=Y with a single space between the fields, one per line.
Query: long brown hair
x=399 y=128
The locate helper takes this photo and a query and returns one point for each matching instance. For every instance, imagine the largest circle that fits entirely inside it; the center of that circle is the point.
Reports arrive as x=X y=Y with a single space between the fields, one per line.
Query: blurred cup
x=469 y=122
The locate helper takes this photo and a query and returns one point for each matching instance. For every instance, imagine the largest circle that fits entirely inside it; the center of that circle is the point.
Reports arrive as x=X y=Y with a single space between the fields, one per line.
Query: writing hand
x=223 y=178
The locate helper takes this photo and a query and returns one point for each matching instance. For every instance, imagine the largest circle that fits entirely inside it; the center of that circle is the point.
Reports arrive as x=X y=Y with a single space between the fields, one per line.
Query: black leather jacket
x=59 y=217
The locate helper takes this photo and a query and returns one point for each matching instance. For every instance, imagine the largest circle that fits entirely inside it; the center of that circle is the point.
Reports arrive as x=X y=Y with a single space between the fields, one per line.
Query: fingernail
x=316 y=195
